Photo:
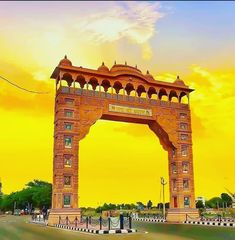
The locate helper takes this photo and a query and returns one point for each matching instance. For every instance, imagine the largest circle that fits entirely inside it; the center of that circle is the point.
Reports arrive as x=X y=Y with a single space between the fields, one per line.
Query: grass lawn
x=17 y=228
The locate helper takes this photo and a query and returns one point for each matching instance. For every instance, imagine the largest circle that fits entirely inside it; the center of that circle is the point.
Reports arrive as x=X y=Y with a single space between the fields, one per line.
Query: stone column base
x=182 y=214
x=55 y=214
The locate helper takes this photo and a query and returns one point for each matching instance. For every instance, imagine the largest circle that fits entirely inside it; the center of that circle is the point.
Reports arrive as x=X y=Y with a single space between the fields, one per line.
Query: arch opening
x=173 y=97
x=117 y=87
x=94 y=83
x=68 y=78
x=183 y=98
x=152 y=91
x=81 y=80
x=162 y=95
x=140 y=90
x=127 y=152
x=129 y=88
x=106 y=85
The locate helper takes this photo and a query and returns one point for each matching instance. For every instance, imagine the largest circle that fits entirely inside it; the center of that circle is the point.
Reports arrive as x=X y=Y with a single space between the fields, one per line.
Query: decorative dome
x=124 y=67
x=103 y=68
x=148 y=75
x=65 y=62
x=179 y=81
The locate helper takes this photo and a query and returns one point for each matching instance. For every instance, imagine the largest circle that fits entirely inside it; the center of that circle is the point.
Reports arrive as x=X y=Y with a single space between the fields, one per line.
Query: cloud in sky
x=218 y=85
x=134 y=21
x=212 y=100
x=14 y=99
x=33 y=40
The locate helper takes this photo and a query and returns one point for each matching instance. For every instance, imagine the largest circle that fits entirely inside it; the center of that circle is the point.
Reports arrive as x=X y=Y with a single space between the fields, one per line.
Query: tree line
x=127 y=206
x=36 y=194
x=224 y=201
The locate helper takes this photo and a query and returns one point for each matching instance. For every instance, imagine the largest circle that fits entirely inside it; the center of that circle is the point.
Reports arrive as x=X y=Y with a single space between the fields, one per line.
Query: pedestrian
x=44 y=213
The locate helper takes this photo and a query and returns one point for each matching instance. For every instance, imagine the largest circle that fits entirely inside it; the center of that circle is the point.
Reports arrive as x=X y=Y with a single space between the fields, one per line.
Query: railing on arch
x=110 y=223
x=119 y=97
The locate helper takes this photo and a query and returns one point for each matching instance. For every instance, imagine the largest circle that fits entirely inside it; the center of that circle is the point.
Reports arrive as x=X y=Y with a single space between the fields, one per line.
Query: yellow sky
x=119 y=162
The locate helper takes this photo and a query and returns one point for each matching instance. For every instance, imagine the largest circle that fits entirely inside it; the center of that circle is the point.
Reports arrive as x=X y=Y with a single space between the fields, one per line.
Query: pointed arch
x=68 y=78
x=106 y=84
x=140 y=90
x=151 y=91
x=117 y=86
x=81 y=80
x=162 y=92
x=93 y=82
x=173 y=97
x=183 y=98
x=129 y=87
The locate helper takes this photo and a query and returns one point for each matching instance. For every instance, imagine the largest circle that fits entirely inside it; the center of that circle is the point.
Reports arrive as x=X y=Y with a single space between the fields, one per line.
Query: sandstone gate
x=122 y=93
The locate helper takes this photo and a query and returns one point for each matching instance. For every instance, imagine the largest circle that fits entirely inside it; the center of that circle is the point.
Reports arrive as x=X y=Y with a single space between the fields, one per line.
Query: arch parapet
x=123 y=79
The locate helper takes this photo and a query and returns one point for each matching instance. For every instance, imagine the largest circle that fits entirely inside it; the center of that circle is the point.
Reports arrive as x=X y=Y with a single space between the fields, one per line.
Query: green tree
x=199 y=204
x=98 y=209
x=133 y=206
x=140 y=205
x=1 y=199
x=149 y=204
x=37 y=193
x=42 y=195
x=226 y=199
x=160 y=205
x=214 y=202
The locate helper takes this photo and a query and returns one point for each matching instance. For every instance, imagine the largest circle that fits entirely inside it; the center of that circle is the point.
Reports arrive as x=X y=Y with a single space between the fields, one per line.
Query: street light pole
x=163 y=183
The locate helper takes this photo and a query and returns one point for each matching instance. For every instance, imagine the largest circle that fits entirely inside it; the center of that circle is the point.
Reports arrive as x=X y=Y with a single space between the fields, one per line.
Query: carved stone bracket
x=162 y=135
x=88 y=115
x=167 y=123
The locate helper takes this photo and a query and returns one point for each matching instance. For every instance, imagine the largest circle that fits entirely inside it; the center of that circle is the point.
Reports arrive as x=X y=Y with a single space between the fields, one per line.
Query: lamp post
x=163 y=183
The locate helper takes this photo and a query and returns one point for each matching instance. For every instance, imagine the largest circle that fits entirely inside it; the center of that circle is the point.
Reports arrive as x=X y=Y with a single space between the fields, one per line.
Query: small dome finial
x=148 y=75
x=65 y=61
x=115 y=62
x=125 y=63
x=135 y=65
x=103 y=68
x=179 y=81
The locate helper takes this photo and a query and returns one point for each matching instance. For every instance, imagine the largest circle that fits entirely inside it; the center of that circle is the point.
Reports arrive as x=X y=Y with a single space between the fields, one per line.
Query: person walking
x=44 y=213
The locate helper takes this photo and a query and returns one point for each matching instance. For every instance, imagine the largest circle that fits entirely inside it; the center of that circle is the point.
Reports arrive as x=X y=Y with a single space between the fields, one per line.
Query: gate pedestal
x=71 y=213
x=182 y=214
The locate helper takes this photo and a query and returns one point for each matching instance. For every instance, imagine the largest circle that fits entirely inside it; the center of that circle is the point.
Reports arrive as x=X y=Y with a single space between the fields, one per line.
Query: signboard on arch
x=130 y=110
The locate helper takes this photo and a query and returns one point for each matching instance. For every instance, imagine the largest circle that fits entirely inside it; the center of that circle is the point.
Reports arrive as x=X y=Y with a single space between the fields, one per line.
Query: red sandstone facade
x=122 y=93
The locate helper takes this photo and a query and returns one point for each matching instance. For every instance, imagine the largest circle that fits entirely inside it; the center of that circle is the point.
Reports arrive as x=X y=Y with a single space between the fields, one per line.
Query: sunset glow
x=118 y=160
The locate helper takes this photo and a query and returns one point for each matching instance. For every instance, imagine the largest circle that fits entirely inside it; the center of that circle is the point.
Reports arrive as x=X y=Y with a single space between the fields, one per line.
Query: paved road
x=17 y=228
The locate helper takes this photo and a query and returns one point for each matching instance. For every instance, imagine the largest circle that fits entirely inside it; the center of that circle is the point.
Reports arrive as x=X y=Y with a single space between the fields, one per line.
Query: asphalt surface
x=18 y=228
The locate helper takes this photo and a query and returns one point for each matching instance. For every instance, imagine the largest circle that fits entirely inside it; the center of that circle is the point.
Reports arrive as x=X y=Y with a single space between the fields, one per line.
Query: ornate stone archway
x=84 y=95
